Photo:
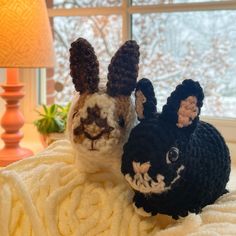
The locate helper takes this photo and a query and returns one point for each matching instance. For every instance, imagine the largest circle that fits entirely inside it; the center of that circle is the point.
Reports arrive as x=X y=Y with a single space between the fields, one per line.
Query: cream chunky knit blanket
x=50 y=195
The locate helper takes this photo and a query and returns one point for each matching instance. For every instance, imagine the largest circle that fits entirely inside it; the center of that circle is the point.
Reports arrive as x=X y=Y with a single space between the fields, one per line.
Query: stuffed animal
x=176 y=163
x=100 y=119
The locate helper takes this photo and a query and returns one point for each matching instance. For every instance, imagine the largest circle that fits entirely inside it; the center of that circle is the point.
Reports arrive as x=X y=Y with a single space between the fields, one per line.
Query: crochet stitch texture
x=176 y=170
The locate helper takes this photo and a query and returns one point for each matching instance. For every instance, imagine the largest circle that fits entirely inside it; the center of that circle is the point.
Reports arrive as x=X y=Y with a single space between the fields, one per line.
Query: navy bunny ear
x=184 y=104
x=145 y=100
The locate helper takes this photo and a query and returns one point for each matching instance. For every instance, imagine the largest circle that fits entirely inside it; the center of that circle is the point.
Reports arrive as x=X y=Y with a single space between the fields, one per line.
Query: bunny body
x=176 y=165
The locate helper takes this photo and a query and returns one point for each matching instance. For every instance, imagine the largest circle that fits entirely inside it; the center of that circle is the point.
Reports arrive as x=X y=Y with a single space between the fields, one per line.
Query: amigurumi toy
x=100 y=119
x=176 y=163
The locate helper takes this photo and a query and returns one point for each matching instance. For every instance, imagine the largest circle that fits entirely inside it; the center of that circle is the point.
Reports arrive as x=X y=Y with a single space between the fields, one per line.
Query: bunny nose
x=93 y=126
x=92 y=129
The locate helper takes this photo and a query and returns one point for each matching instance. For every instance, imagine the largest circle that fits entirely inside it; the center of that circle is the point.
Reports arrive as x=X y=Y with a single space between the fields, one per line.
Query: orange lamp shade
x=25 y=42
x=25 y=35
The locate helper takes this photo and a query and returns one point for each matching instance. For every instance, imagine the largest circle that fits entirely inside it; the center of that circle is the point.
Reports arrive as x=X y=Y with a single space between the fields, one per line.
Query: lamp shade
x=25 y=35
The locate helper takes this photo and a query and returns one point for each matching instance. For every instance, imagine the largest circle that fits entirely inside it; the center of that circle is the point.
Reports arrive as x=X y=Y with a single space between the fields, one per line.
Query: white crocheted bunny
x=99 y=120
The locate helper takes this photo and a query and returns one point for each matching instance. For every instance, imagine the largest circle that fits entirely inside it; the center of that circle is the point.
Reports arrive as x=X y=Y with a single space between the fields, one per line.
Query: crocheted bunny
x=100 y=120
x=174 y=162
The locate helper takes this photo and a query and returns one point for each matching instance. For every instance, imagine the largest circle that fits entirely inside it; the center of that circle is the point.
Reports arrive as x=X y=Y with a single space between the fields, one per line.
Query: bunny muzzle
x=142 y=182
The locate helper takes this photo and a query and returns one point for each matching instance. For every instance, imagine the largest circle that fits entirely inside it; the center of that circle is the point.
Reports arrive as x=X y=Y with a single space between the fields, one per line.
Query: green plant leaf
x=52 y=119
x=53 y=109
x=45 y=109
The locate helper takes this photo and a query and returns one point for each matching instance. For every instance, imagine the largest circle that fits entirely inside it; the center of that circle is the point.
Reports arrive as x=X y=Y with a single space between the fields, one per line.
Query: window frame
x=29 y=104
x=126 y=9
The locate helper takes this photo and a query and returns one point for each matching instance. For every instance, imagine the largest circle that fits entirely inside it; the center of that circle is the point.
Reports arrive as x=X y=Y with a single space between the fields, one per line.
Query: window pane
x=153 y=2
x=103 y=32
x=85 y=3
x=196 y=45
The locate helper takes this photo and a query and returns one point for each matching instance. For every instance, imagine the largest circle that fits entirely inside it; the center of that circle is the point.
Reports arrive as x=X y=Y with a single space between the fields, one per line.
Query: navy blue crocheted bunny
x=175 y=163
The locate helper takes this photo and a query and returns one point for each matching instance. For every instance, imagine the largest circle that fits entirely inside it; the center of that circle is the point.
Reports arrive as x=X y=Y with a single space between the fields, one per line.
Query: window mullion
x=29 y=78
x=89 y=11
x=126 y=20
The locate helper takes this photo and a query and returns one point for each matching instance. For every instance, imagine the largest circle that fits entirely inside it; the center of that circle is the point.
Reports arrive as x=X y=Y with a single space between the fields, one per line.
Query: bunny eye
x=121 y=122
x=172 y=155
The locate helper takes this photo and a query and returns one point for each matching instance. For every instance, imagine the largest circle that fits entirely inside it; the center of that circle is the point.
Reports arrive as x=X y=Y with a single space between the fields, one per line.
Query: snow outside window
x=179 y=39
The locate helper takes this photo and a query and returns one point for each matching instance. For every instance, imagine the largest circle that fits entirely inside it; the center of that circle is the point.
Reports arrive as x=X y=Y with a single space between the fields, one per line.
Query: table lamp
x=25 y=42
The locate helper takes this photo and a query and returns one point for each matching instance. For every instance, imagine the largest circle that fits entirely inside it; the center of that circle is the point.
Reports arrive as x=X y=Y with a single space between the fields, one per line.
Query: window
x=99 y=30
x=197 y=45
x=178 y=39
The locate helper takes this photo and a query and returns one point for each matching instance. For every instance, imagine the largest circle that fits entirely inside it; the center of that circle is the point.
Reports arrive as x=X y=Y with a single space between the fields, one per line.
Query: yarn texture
x=144 y=86
x=50 y=195
x=84 y=66
x=123 y=70
x=176 y=169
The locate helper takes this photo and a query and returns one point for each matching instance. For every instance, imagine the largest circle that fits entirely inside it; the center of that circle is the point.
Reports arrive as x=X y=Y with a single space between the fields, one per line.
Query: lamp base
x=12 y=120
x=10 y=155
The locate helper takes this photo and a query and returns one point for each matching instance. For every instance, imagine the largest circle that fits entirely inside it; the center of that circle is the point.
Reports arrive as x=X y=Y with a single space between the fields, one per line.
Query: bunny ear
x=145 y=100
x=184 y=105
x=84 y=66
x=123 y=70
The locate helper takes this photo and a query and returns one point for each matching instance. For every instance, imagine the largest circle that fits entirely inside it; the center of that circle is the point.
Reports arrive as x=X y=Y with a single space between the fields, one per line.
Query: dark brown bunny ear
x=84 y=66
x=123 y=70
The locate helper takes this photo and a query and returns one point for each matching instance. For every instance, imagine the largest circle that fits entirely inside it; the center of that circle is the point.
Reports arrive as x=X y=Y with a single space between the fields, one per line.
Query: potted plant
x=52 y=122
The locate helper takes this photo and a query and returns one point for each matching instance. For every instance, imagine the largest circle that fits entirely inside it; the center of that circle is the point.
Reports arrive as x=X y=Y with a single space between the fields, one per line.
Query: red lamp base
x=12 y=121
x=10 y=155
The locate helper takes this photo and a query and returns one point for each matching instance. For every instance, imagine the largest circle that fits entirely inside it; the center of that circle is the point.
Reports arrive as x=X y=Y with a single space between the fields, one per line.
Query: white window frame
x=226 y=126
x=30 y=102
